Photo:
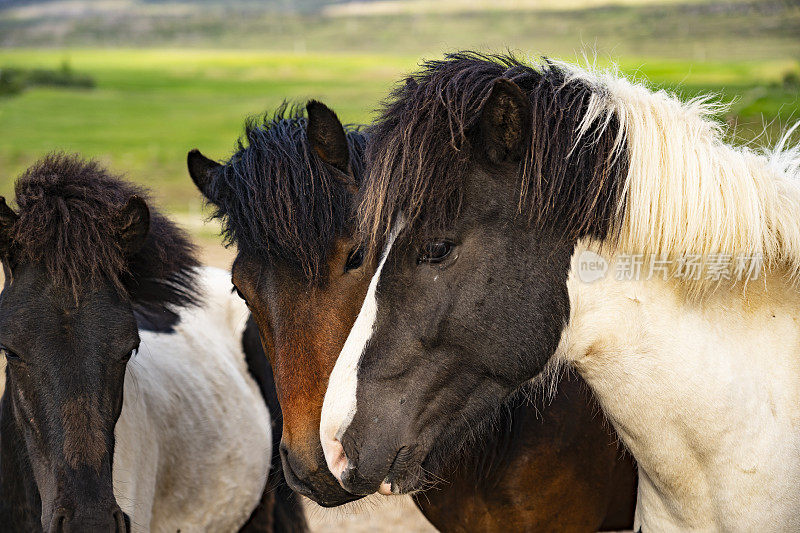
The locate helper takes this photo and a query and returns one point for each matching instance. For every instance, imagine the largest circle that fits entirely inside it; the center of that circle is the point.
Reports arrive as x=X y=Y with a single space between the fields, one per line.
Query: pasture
x=149 y=107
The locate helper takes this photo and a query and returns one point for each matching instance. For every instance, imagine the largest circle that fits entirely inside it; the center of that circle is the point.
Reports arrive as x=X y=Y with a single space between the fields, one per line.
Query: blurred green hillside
x=150 y=107
x=678 y=29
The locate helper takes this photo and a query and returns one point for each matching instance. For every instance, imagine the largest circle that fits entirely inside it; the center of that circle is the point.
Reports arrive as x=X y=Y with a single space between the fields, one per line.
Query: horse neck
x=691 y=384
x=20 y=506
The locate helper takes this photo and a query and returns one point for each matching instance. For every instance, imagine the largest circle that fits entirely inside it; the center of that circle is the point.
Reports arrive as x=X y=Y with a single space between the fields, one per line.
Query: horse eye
x=9 y=355
x=435 y=252
x=354 y=259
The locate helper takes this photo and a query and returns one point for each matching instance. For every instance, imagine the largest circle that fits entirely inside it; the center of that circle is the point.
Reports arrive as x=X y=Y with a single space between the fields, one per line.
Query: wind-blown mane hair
x=278 y=201
x=419 y=150
x=68 y=210
x=610 y=160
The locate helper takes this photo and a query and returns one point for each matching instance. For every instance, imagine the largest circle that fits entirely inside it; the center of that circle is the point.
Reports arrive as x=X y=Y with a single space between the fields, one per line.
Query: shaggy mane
x=68 y=211
x=420 y=149
x=278 y=201
x=609 y=160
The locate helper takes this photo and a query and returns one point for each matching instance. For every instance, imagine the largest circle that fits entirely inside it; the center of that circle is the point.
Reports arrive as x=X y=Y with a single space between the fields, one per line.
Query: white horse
x=697 y=364
x=698 y=370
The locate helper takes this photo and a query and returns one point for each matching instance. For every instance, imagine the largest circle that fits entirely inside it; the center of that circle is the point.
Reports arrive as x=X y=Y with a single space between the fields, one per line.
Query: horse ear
x=201 y=169
x=7 y=219
x=504 y=122
x=134 y=224
x=326 y=136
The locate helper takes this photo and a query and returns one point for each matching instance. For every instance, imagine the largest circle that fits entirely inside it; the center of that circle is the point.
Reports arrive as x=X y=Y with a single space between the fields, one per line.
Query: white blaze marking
x=339 y=406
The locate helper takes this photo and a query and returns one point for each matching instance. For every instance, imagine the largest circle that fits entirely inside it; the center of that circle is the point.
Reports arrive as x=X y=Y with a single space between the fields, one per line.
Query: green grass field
x=151 y=106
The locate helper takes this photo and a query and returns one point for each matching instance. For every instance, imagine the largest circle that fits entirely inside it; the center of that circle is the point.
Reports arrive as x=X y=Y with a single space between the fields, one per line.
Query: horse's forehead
x=398 y=227
x=43 y=318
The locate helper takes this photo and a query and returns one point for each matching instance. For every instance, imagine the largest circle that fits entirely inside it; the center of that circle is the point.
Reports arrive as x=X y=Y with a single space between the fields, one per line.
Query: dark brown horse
x=286 y=200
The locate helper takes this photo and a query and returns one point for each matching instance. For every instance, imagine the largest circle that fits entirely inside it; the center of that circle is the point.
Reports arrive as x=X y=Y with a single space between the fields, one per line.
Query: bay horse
x=128 y=402
x=506 y=202
x=286 y=198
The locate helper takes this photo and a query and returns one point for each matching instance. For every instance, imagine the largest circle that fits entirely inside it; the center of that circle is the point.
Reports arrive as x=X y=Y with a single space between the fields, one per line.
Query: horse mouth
x=407 y=474
x=327 y=496
x=416 y=468
x=389 y=487
x=320 y=486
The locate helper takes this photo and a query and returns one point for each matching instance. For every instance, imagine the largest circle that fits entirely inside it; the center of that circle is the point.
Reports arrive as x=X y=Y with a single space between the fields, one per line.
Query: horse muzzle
x=109 y=521
x=385 y=469
x=313 y=480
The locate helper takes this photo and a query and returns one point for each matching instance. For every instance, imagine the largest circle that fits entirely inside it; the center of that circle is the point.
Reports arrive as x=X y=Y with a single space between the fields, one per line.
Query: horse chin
x=330 y=503
x=416 y=472
x=414 y=478
x=428 y=467
x=408 y=482
x=321 y=487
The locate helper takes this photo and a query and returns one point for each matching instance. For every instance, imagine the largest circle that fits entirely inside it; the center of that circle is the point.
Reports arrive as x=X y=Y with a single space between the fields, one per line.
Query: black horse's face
x=452 y=325
x=67 y=346
x=66 y=363
x=460 y=322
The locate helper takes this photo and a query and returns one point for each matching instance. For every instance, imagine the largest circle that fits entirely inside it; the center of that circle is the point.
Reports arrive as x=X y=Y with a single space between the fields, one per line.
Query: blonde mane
x=688 y=191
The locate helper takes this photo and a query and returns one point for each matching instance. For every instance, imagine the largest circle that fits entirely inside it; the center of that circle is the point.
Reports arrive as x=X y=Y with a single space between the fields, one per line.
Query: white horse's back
x=193 y=442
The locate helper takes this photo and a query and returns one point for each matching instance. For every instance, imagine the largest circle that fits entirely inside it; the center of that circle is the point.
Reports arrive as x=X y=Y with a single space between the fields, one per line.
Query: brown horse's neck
x=553 y=467
x=20 y=505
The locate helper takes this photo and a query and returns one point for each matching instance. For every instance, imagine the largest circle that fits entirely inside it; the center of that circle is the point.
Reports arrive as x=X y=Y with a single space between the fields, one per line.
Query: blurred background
x=137 y=83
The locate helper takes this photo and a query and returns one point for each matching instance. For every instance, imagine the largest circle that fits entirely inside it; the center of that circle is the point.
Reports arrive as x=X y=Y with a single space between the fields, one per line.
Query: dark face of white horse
x=449 y=342
x=453 y=323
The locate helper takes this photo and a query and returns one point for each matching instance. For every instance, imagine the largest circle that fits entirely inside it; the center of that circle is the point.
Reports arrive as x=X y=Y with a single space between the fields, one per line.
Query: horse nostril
x=348 y=477
x=60 y=522
x=336 y=458
x=283 y=450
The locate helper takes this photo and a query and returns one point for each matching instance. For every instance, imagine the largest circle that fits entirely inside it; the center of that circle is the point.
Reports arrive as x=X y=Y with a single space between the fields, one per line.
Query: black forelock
x=68 y=209
x=420 y=148
x=278 y=201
